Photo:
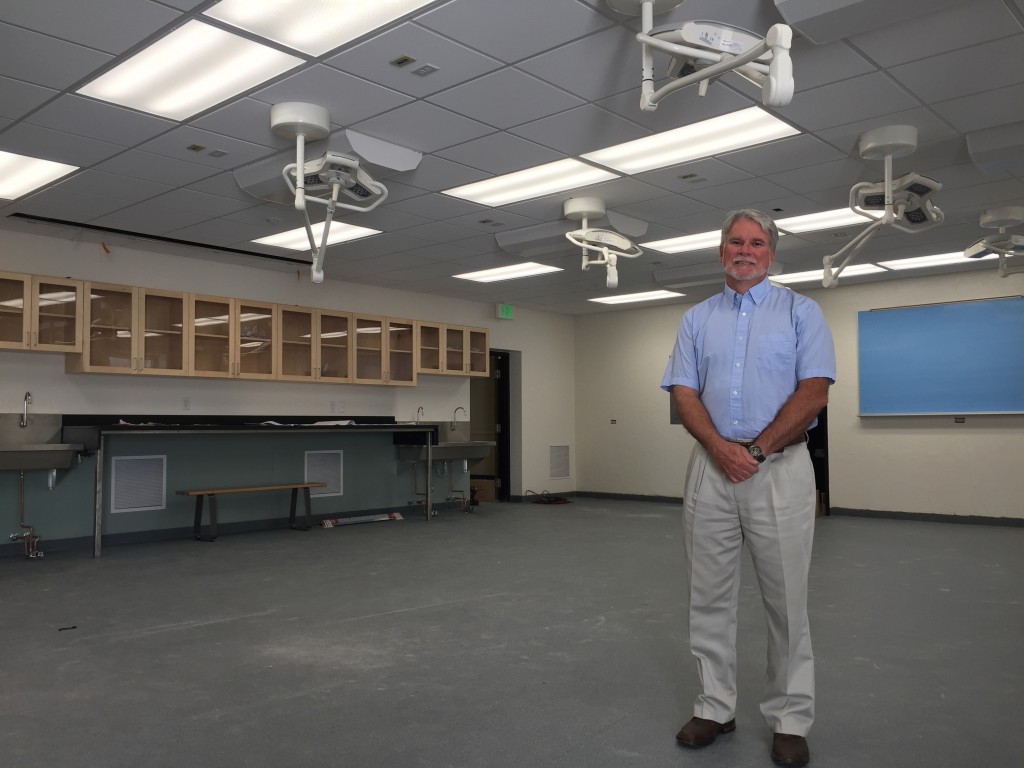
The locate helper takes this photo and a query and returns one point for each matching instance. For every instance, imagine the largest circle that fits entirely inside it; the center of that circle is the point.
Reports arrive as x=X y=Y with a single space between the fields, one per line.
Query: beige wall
x=545 y=342
x=904 y=464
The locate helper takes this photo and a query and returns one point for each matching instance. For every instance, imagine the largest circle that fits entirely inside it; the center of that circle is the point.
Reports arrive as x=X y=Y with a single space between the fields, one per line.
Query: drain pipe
x=31 y=541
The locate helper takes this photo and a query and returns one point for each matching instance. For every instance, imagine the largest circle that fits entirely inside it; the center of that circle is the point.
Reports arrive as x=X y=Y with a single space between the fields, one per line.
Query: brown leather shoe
x=790 y=750
x=700 y=732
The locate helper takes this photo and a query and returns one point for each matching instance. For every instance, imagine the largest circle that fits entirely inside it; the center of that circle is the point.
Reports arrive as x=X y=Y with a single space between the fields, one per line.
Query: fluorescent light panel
x=814 y=222
x=193 y=68
x=311 y=27
x=817 y=274
x=937 y=260
x=629 y=298
x=696 y=242
x=20 y=174
x=725 y=133
x=513 y=272
x=298 y=240
x=541 y=180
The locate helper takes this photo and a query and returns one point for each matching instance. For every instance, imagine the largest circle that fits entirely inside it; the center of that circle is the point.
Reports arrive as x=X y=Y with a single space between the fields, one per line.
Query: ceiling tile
x=964 y=71
x=846 y=138
x=163 y=170
x=246 y=119
x=988 y=109
x=372 y=61
x=580 y=130
x=594 y=67
x=781 y=155
x=680 y=108
x=101 y=185
x=437 y=206
x=348 y=99
x=664 y=210
x=149 y=218
x=855 y=99
x=200 y=202
x=817 y=65
x=48 y=144
x=485 y=25
x=435 y=173
x=112 y=26
x=18 y=98
x=826 y=175
x=686 y=179
x=487 y=99
x=423 y=127
x=100 y=120
x=66 y=205
x=176 y=144
x=500 y=153
x=741 y=194
x=35 y=58
x=939 y=32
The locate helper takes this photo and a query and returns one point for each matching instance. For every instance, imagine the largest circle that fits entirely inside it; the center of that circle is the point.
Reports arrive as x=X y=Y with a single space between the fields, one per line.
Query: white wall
x=545 y=341
x=911 y=464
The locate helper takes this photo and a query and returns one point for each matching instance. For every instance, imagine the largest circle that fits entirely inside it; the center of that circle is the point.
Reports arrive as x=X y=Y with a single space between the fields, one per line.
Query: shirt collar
x=757 y=293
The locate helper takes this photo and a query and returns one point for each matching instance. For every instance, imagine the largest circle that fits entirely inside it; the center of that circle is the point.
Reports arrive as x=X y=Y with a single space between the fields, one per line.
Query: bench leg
x=197 y=524
x=291 y=512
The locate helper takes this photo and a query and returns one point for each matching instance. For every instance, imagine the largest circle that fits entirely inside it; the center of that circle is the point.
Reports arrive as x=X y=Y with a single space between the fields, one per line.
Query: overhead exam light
x=324 y=179
x=702 y=51
x=904 y=202
x=606 y=242
x=1002 y=243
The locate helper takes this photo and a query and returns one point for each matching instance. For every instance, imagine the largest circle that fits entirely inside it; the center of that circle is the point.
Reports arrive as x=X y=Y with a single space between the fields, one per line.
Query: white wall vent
x=325 y=467
x=138 y=483
x=559 y=462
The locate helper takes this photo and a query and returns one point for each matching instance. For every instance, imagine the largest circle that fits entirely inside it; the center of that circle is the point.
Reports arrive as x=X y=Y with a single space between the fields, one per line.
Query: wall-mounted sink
x=36 y=445
x=466 y=449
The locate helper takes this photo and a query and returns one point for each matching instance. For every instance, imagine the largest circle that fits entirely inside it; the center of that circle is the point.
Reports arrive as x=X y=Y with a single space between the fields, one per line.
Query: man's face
x=746 y=254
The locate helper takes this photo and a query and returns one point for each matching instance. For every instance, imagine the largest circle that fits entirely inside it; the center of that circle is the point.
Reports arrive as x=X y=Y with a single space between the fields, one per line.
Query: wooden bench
x=213 y=493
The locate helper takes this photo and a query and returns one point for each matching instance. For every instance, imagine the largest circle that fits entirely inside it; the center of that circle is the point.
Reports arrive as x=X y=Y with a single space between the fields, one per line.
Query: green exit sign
x=505 y=311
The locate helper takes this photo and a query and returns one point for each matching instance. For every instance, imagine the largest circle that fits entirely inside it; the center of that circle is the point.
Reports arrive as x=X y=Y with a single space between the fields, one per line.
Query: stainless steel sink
x=467 y=449
x=36 y=445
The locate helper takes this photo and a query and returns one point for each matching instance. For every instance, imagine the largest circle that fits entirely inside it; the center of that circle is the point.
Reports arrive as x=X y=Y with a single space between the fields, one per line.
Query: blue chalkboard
x=958 y=358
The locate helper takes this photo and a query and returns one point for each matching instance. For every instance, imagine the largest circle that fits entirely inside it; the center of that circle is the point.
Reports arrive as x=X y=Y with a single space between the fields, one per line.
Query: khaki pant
x=773 y=512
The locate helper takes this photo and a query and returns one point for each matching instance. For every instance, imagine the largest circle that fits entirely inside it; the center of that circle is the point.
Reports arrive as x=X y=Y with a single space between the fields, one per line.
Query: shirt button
x=743 y=313
x=735 y=421
x=735 y=392
x=738 y=365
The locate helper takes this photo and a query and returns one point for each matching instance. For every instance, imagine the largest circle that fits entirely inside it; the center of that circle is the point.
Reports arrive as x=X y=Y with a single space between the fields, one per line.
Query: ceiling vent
x=825 y=21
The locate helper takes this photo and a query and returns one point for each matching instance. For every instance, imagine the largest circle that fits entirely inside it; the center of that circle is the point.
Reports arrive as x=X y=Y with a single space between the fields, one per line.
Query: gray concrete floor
x=519 y=635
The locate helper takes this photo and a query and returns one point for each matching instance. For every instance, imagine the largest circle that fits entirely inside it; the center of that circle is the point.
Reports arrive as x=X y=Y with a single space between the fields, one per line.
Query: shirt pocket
x=775 y=352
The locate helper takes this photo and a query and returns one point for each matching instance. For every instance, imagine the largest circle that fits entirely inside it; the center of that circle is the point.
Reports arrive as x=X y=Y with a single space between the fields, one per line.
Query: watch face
x=756 y=452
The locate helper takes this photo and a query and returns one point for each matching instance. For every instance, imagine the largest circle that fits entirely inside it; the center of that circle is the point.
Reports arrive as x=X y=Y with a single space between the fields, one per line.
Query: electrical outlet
x=337 y=406
x=186 y=403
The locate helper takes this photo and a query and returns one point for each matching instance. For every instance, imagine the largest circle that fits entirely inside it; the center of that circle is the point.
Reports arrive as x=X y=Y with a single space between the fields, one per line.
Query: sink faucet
x=419 y=412
x=455 y=416
x=24 y=410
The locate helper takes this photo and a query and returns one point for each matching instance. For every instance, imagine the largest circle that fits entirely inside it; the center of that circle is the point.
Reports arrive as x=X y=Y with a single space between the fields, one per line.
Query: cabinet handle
x=35 y=338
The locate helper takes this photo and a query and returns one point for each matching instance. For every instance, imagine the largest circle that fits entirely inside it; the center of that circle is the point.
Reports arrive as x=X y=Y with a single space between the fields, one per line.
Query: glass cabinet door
x=429 y=351
x=454 y=349
x=369 y=350
x=56 y=314
x=14 y=319
x=401 y=359
x=110 y=328
x=479 y=352
x=211 y=324
x=255 y=341
x=297 y=349
x=161 y=342
x=334 y=346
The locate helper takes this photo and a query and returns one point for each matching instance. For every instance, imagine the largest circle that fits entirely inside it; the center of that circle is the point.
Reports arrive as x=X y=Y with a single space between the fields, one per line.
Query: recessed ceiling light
x=937 y=260
x=724 y=133
x=19 y=174
x=513 y=272
x=817 y=274
x=629 y=298
x=193 y=68
x=813 y=222
x=298 y=239
x=531 y=182
x=311 y=27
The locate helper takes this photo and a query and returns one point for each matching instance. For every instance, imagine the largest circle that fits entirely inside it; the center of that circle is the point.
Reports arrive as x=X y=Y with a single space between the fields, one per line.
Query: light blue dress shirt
x=745 y=354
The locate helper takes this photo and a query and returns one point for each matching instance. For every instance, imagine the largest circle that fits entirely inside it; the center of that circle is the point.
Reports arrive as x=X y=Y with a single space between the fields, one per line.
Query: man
x=748 y=375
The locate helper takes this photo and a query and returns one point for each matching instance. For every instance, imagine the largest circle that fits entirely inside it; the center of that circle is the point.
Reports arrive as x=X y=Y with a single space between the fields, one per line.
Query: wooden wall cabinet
x=132 y=330
x=40 y=313
x=315 y=345
x=385 y=350
x=452 y=350
x=232 y=338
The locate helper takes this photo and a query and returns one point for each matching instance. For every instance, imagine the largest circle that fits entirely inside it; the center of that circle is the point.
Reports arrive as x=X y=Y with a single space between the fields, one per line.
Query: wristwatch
x=757 y=453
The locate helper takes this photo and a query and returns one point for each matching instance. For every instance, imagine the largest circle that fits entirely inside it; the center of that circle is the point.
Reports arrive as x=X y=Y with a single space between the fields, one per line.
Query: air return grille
x=325 y=467
x=559 y=462
x=138 y=483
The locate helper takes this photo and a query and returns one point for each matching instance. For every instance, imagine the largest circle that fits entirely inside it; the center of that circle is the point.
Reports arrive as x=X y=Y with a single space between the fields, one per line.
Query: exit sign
x=505 y=311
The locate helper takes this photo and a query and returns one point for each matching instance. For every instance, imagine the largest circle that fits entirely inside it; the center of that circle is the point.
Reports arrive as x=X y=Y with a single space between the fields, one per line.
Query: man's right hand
x=735 y=461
